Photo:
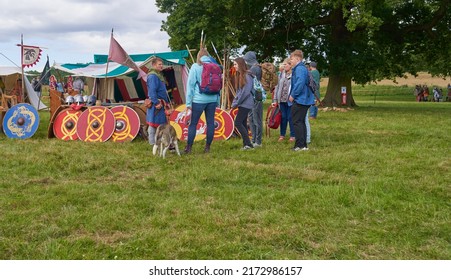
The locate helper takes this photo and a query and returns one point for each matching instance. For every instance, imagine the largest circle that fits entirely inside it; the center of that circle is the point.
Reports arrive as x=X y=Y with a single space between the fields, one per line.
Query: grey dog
x=164 y=137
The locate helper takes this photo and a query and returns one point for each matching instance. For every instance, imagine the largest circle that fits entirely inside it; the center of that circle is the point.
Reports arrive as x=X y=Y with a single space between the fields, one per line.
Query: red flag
x=31 y=55
x=118 y=54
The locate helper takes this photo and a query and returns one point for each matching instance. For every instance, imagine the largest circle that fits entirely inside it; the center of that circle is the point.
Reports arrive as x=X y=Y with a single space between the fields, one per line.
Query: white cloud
x=74 y=30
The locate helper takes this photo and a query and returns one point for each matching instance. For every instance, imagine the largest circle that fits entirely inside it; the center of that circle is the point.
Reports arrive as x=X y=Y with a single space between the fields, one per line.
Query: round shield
x=95 y=124
x=65 y=124
x=127 y=124
x=21 y=121
x=177 y=120
x=54 y=114
x=223 y=125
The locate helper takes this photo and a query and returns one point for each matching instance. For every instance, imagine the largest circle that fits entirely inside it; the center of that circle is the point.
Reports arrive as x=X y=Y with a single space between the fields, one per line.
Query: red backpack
x=273 y=117
x=211 y=79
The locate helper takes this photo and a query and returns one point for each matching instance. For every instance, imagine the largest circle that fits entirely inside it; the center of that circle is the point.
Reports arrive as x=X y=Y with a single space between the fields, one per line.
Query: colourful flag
x=31 y=55
x=118 y=54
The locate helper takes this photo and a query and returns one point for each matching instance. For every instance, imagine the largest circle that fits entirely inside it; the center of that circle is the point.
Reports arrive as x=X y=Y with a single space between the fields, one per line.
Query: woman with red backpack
x=200 y=100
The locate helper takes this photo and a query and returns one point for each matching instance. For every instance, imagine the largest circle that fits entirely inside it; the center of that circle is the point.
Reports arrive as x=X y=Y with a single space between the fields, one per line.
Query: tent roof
x=97 y=69
x=9 y=70
x=177 y=57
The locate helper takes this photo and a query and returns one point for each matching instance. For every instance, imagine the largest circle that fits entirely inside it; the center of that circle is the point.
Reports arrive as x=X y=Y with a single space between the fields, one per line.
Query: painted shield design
x=95 y=124
x=223 y=125
x=127 y=124
x=65 y=124
x=21 y=121
x=177 y=120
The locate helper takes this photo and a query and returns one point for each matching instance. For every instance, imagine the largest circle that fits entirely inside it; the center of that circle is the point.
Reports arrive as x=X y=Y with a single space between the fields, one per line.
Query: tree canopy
x=359 y=40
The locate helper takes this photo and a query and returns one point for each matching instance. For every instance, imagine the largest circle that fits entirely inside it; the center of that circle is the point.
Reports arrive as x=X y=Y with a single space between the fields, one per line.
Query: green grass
x=374 y=185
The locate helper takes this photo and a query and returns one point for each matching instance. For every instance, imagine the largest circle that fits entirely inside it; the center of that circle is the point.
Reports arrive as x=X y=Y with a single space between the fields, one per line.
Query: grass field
x=375 y=184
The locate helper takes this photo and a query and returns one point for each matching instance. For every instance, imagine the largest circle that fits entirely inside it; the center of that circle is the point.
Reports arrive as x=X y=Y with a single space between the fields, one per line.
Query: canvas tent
x=120 y=83
x=10 y=76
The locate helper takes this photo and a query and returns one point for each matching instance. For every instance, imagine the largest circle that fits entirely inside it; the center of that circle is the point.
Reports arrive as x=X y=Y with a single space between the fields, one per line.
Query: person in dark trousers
x=243 y=100
x=301 y=97
x=198 y=103
x=256 y=114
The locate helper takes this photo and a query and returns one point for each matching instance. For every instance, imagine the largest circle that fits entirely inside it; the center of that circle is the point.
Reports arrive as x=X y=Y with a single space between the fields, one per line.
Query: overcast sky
x=72 y=31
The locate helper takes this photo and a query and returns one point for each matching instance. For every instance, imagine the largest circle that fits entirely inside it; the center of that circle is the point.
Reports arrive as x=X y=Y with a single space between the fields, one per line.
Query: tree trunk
x=340 y=52
x=334 y=96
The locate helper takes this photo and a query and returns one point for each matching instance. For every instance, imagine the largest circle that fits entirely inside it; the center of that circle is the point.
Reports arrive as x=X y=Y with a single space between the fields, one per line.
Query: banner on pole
x=31 y=55
x=118 y=55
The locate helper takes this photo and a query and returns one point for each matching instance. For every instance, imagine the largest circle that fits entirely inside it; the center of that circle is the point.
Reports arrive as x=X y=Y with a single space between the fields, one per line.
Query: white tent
x=10 y=74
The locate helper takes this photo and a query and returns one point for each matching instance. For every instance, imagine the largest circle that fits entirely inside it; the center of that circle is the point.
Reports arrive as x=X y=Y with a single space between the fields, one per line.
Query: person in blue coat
x=301 y=97
x=156 y=90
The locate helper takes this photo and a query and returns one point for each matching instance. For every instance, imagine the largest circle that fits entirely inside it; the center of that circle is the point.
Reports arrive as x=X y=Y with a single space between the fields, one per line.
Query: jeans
x=197 y=110
x=299 y=115
x=313 y=111
x=307 y=126
x=256 y=122
x=241 y=125
x=286 y=119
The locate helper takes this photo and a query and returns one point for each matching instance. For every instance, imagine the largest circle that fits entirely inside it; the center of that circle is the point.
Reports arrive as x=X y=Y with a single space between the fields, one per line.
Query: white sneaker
x=247 y=148
x=297 y=149
x=257 y=145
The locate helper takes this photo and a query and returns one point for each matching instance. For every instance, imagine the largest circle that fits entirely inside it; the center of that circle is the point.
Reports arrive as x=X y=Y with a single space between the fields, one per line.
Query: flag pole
x=107 y=63
x=21 y=67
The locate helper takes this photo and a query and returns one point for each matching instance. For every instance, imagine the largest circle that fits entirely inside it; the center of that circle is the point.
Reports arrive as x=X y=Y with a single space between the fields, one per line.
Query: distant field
x=411 y=81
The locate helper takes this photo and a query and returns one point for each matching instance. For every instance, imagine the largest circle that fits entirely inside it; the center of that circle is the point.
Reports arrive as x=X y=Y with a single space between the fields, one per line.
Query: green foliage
x=375 y=184
x=364 y=40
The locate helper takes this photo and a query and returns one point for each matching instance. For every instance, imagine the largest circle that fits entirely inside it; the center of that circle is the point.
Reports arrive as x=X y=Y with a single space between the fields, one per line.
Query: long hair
x=202 y=52
x=240 y=80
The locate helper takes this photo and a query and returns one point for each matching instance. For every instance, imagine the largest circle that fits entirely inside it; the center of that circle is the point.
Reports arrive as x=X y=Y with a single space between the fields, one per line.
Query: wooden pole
x=189 y=51
x=216 y=52
x=106 y=71
x=21 y=67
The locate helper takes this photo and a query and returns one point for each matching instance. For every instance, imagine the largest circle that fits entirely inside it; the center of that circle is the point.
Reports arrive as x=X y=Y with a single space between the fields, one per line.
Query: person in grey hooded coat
x=256 y=114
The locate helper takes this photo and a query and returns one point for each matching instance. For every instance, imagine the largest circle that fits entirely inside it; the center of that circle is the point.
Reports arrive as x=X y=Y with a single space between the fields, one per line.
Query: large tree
x=352 y=40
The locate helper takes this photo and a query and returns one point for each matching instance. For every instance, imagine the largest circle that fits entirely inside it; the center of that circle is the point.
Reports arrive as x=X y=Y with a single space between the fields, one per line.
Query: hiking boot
x=187 y=149
x=207 y=148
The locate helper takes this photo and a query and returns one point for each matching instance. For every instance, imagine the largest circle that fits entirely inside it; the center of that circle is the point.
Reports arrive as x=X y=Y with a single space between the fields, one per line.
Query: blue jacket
x=156 y=89
x=243 y=97
x=194 y=80
x=299 y=86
